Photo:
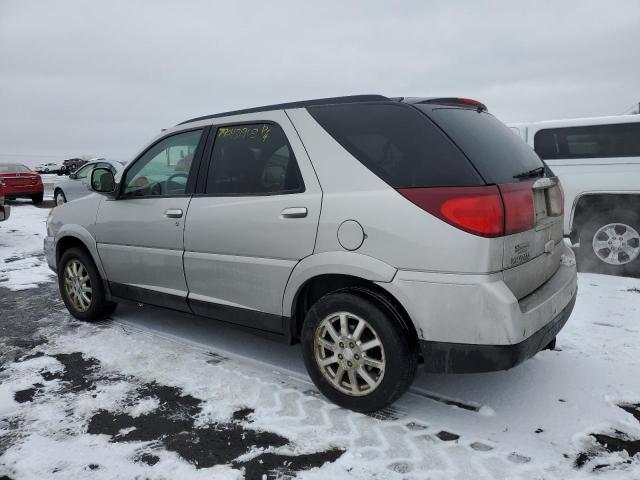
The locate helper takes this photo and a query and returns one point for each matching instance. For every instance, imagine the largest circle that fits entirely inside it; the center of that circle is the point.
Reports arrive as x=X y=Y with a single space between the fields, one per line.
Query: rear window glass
x=398 y=144
x=13 y=168
x=595 y=141
x=493 y=148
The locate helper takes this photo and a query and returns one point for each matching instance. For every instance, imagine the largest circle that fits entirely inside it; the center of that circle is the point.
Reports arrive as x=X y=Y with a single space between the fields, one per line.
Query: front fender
x=82 y=234
x=336 y=263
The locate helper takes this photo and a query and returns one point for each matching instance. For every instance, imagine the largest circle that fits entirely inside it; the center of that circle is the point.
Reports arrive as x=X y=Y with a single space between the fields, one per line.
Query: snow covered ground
x=155 y=394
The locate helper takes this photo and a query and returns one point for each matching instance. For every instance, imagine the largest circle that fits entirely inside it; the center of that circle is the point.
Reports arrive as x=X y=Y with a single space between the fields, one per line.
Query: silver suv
x=380 y=233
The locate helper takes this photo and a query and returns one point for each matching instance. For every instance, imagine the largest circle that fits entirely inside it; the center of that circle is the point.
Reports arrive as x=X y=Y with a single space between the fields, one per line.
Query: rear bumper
x=462 y=316
x=441 y=357
x=24 y=192
x=5 y=212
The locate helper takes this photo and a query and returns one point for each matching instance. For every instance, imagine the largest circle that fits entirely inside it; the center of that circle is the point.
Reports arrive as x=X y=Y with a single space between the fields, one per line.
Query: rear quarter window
x=398 y=144
x=496 y=151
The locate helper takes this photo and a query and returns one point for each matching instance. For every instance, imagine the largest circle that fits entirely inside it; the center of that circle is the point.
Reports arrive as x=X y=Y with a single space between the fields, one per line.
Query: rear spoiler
x=455 y=101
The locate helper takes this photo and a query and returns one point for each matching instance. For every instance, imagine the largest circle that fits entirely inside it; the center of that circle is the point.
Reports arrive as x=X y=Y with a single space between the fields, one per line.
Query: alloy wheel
x=349 y=353
x=616 y=244
x=77 y=285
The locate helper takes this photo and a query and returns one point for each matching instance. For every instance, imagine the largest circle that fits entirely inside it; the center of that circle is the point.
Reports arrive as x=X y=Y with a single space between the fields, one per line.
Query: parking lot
x=156 y=394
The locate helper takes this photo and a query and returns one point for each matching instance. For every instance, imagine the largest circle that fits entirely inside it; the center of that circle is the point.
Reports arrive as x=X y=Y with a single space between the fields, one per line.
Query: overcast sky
x=103 y=77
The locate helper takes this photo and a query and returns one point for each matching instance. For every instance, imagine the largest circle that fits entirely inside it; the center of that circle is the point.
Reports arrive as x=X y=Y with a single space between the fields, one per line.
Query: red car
x=4 y=209
x=21 y=182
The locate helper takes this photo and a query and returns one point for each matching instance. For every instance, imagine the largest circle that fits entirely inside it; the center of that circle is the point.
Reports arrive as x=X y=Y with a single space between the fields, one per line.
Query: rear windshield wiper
x=536 y=172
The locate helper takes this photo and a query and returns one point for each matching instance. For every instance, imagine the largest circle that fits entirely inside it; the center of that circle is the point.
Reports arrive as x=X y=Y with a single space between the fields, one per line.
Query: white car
x=48 y=167
x=76 y=185
x=598 y=162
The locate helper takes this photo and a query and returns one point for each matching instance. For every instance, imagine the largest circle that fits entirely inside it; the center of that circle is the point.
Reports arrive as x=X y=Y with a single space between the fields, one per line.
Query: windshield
x=496 y=151
x=13 y=168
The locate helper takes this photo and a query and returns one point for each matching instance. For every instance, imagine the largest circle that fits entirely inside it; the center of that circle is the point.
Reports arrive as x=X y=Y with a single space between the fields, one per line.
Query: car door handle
x=173 y=213
x=294 y=212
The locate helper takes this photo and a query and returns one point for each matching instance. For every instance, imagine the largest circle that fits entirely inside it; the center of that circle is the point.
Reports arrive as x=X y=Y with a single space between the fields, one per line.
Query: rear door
x=140 y=234
x=254 y=219
x=532 y=256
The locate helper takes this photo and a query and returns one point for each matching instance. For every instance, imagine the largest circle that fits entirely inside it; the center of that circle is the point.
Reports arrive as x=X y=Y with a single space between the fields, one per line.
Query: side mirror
x=73 y=176
x=103 y=182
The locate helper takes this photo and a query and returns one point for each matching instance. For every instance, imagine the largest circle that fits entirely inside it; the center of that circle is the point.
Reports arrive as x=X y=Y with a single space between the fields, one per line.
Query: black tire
x=37 y=199
x=55 y=197
x=401 y=356
x=551 y=345
x=99 y=308
x=588 y=261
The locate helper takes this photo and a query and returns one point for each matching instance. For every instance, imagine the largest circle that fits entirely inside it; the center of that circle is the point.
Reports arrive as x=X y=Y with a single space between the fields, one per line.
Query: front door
x=254 y=221
x=140 y=234
x=76 y=186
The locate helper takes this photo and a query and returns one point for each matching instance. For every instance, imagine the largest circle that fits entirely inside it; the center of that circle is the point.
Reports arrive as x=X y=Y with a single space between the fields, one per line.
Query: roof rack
x=299 y=104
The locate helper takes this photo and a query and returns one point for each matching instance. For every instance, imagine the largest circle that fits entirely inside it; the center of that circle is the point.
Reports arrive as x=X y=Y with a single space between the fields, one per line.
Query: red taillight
x=489 y=211
x=518 y=207
x=476 y=210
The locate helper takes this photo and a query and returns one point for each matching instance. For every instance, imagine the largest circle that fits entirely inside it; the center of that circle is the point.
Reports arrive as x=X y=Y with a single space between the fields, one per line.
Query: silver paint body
x=242 y=251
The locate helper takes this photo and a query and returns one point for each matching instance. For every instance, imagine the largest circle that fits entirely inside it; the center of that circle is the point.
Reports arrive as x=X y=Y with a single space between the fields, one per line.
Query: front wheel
x=81 y=286
x=610 y=243
x=37 y=199
x=356 y=351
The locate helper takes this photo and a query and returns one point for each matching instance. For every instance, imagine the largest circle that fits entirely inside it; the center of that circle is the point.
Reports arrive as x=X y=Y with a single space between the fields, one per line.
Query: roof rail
x=299 y=104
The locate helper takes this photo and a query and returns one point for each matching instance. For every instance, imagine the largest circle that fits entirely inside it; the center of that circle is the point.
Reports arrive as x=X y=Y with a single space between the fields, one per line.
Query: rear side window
x=493 y=148
x=397 y=143
x=595 y=141
x=253 y=160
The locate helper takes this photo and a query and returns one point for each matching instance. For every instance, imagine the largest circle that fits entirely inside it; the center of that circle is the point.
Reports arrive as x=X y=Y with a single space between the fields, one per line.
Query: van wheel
x=356 y=351
x=610 y=243
x=37 y=199
x=81 y=287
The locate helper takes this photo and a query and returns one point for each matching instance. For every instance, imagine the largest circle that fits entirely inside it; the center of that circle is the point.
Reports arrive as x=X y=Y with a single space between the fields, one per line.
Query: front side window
x=253 y=160
x=593 y=141
x=85 y=171
x=164 y=168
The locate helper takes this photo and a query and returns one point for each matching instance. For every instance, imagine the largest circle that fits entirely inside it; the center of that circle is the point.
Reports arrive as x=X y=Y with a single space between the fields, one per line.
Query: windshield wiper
x=536 y=172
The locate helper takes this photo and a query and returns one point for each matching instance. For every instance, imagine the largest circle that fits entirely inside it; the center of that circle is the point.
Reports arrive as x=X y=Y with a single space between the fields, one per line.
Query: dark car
x=72 y=164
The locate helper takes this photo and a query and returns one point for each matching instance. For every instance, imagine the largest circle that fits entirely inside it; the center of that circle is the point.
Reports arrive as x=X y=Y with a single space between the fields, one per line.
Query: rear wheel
x=610 y=243
x=81 y=286
x=60 y=198
x=356 y=351
x=37 y=199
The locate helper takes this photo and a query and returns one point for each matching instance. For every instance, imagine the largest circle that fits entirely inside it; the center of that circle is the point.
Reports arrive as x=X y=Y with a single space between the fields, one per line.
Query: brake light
x=488 y=211
x=519 y=214
x=476 y=210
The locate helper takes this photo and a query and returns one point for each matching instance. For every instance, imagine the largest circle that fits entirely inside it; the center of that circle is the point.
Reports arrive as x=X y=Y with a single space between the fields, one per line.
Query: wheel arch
x=76 y=236
x=321 y=274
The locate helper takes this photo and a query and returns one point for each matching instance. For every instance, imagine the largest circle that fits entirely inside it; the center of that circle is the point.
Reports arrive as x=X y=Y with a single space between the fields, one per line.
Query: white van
x=598 y=162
